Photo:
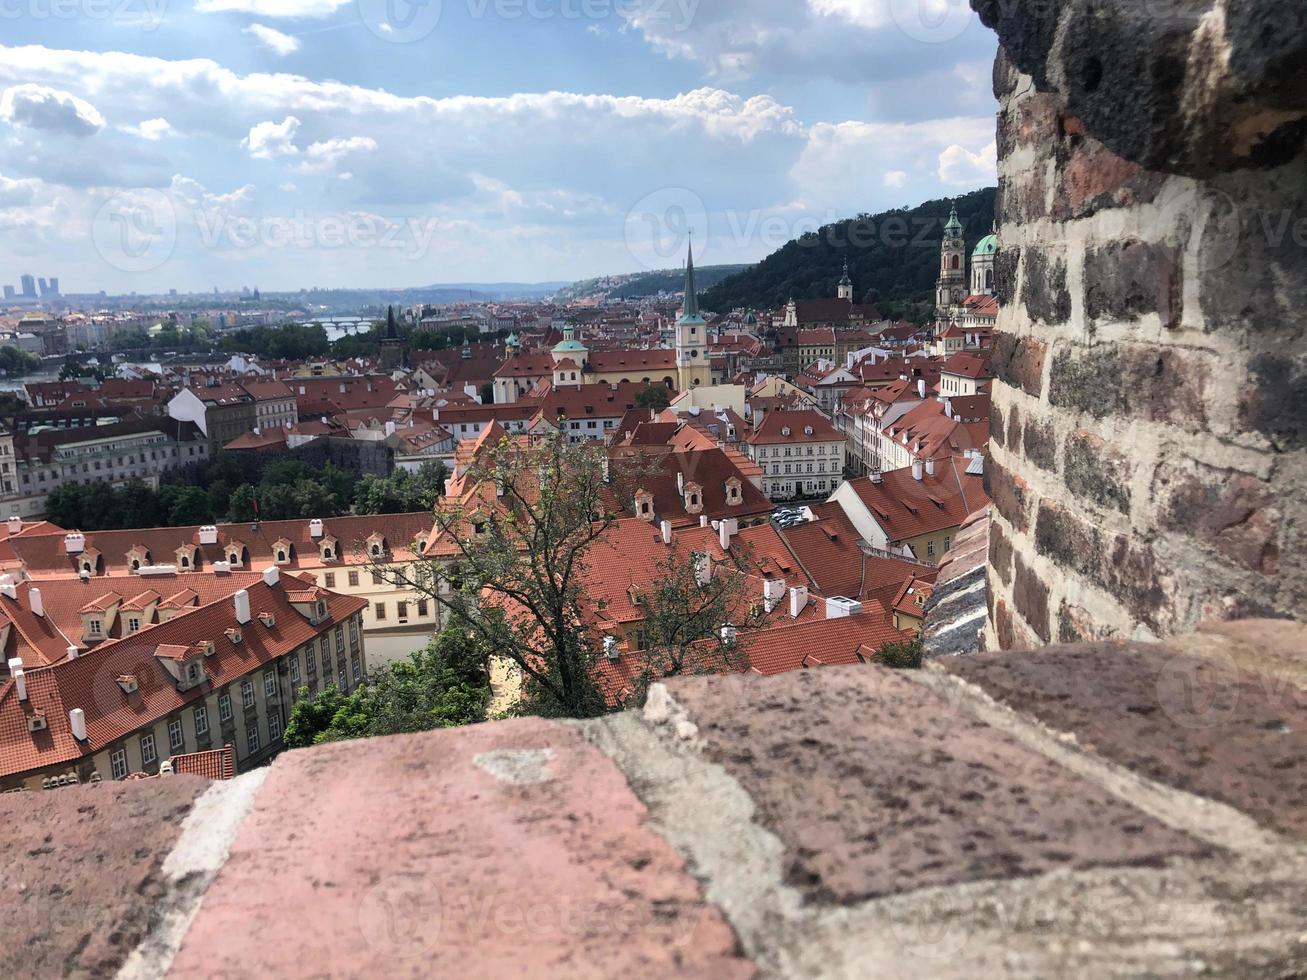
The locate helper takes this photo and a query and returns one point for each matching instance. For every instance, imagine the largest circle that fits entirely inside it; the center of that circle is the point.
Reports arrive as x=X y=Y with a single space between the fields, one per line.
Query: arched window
x=957 y=262
x=281 y=556
x=185 y=562
x=989 y=278
x=136 y=563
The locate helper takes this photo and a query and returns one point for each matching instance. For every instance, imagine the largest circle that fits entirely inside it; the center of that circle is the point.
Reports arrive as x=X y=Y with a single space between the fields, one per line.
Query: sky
x=150 y=145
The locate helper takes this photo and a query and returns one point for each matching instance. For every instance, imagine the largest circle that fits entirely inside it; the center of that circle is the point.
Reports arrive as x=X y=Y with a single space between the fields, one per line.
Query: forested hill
x=893 y=260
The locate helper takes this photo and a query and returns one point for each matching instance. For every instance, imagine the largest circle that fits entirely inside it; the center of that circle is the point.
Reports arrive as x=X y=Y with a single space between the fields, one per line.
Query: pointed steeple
x=954 y=227
x=691 y=293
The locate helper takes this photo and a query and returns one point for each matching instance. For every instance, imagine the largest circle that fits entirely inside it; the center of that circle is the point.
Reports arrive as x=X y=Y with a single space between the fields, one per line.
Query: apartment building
x=353 y=556
x=801 y=454
x=201 y=678
x=135 y=449
x=226 y=410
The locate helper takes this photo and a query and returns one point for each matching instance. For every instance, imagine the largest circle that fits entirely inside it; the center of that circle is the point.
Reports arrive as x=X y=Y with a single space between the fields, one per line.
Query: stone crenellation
x=1148 y=444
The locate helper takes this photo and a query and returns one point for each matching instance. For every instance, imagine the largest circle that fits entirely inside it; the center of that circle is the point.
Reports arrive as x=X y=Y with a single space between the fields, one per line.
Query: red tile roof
x=905 y=507
x=214 y=764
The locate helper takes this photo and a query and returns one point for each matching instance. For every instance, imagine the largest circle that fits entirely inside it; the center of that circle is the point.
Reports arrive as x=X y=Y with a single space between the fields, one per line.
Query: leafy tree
x=442 y=686
x=900 y=655
x=14 y=362
x=240 y=508
x=654 y=397
x=516 y=579
x=189 y=505
x=291 y=341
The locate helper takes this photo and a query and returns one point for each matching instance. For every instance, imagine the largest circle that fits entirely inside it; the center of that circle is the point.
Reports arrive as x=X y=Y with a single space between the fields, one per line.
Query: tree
x=900 y=655
x=513 y=573
x=442 y=686
x=686 y=606
x=654 y=397
x=14 y=361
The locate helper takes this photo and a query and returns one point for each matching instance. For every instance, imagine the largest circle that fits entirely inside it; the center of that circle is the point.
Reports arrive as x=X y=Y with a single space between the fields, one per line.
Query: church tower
x=846 y=284
x=982 y=266
x=951 y=289
x=692 y=367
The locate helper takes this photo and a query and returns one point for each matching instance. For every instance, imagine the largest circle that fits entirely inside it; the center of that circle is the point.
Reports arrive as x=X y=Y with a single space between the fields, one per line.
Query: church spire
x=691 y=293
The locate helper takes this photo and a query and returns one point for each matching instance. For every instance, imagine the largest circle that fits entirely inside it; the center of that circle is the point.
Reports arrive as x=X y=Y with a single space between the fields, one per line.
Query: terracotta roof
x=773 y=428
x=905 y=507
x=214 y=764
x=87 y=682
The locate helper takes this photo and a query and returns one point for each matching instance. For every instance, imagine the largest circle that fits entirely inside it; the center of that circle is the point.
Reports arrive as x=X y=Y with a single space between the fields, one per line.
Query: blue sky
x=155 y=144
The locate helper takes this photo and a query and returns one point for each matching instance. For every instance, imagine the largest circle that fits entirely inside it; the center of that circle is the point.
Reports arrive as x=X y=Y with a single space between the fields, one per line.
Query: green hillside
x=673 y=280
x=893 y=260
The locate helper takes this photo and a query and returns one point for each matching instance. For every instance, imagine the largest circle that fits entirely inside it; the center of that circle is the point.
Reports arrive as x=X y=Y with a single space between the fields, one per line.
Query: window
x=133 y=623
x=930 y=547
x=329 y=580
x=176 y=741
x=379 y=610
x=247 y=693
x=95 y=627
x=118 y=764
x=295 y=667
x=311 y=663
x=377 y=579
x=148 y=752
x=201 y=720
x=422 y=607
x=358 y=668
x=269 y=684
x=274 y=725
x=354 y=579
x=947 y=541
x=252 y=738
x=401 y=608
x=224 y=707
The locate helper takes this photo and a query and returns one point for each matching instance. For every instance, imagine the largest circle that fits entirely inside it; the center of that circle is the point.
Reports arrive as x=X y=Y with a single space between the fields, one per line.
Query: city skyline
x=293 y=144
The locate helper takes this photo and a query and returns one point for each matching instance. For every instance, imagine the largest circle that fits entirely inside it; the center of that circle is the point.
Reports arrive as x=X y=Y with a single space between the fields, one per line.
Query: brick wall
x=1149 y=461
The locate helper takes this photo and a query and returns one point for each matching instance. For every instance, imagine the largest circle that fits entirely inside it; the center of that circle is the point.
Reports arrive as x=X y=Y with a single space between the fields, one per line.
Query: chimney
x=74 y=542
x=15 y=524
x=921 y=387
x=77 y=722
x=930 y=467
x=390 y=427
x=666 y=528
x=840 y=607
x=724 y=532
x=610 y=648
x=876 y=477
x=271 y=575
x=702 y=568
x=20 y=682
x=703 y=520
x=798 y=600
x=242 y=602
x=73 y=652
x=38 y=606
x=916 y=470
x=7 y=587
x=165 y=767
x=773 y=591
x=680 y=482
x=728 y=635
x=315 y=528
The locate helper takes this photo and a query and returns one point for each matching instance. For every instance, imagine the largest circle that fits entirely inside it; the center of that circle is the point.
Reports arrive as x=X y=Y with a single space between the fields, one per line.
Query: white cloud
x=16 y=193
x=273 y=9
x=150 y=129
x=896 y=178
x=270 y=139
x=323 y=157
x=40 y=107
x=864 y=13
x=279 y=43
x=959 y=167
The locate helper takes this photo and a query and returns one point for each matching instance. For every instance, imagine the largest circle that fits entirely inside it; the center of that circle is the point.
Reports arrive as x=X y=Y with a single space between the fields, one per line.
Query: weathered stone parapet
x=1150 y=462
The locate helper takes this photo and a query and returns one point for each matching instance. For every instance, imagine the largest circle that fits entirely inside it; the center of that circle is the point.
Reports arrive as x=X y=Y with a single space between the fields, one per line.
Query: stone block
x=1010 y=494
x=1126 y=280
x=1040 y=444
x=1043 y=286
x=1097 y=472
x=1231 y=512
x=1019 y=362
x=1030 y=595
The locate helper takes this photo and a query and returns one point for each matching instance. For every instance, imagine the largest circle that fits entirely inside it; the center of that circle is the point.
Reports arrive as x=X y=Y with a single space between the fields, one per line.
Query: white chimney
x=15 y=524
x=73 y=652
x=916 y=470
x=877 y=477
x=315 y=528
x=610 y=648
x=773 y=591
x=271 y=575
x=74 y=542
x=798 y=600
x=666 y=528
x=34 y=597
x=724 y=532
x=20 y=682
x=208 y=534
x=840 y=607
x=77 y=722
x=680 y=482
x=7 y=587
x=921 y=387
x=702 y=568
x=390 y=428
x=703 y=520
x=221 y=567
x=930 y=467
x=728 y=633
x=15 y=663
x=165 y=767
x=242 y=602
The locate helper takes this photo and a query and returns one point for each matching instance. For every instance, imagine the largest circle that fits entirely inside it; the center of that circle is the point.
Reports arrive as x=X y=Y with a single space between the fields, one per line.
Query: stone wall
x=1149 y=458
